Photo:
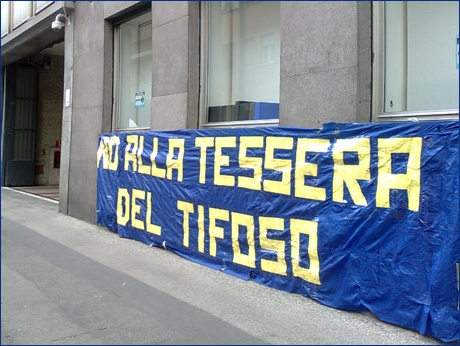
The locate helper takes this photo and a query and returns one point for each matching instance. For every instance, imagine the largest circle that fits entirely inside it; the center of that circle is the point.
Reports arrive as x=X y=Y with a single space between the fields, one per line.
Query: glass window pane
x=21 y=11
x=40 y=5
x=243 y=60
x=421 y=71
x=135 y=73
x=5 y=17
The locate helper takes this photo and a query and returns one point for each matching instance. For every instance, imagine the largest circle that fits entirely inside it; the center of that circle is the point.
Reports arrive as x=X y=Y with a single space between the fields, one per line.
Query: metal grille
x=25 y=113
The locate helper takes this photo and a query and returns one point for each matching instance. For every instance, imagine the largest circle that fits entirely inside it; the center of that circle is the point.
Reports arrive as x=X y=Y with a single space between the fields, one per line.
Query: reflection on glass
x=135 y=73
x=243 y=60
x=421 y=73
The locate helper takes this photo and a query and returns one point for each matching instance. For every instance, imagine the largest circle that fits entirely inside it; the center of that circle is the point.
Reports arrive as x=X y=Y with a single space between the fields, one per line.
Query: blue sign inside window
x=139 y=101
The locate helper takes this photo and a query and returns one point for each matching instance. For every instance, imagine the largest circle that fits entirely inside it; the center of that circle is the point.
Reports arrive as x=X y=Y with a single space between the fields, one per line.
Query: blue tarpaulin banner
x=355 y=216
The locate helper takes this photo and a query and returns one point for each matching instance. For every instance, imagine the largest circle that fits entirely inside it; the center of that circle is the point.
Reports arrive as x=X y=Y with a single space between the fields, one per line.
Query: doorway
x=32 y=133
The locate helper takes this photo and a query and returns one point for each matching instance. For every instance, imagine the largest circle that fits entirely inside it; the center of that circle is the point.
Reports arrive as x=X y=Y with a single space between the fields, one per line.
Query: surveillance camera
x=57 y=25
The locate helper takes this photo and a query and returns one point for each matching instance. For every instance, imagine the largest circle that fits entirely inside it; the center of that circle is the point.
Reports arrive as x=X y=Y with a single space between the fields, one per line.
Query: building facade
x=117 y=66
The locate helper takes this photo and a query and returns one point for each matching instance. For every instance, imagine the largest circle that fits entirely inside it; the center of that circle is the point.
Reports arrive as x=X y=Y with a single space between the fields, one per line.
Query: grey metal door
x=20 y=125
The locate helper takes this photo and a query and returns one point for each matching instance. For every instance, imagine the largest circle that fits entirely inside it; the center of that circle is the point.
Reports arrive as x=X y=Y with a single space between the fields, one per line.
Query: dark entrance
x=21 y=96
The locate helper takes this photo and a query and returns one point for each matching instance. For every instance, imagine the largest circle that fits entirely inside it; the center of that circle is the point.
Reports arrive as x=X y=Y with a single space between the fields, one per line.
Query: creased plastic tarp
x=314 y=212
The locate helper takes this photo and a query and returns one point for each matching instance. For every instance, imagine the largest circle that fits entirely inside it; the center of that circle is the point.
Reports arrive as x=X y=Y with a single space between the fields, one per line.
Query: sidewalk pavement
x=67 y=281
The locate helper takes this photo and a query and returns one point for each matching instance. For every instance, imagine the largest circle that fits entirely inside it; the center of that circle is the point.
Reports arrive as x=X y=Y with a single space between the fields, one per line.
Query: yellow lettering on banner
x=310 y=228
x=280 y=165
x=201 y=228
x=156 y=172
x=175 y=163
x=277 y=246
x=409 y=181
x=136 y=208
x=123 y=201
x=130 y=152
x=302 y=168
x=187 y=209
x=247 y=221
x=223 y=160
x=204 y=143
x=151 y=228
x=141 y=167
x=349 y=174
x=254 y=163
x=214 y=230
x=106 y=151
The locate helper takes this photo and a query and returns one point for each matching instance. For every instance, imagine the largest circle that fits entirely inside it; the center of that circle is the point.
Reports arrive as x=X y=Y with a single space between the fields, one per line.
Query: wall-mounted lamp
x=46 y=62
x=57 y=24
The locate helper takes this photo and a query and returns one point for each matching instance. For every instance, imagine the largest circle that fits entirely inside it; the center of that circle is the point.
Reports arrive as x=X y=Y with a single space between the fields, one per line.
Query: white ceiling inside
x=57 y=49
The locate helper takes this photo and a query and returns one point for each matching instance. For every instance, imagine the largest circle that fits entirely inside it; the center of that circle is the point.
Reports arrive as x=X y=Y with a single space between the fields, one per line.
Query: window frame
x=203 y=98
x=378 y=78
x=117 y=68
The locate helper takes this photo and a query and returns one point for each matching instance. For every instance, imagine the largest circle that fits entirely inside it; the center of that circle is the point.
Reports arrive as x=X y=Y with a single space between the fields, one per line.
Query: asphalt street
x=65 y=281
